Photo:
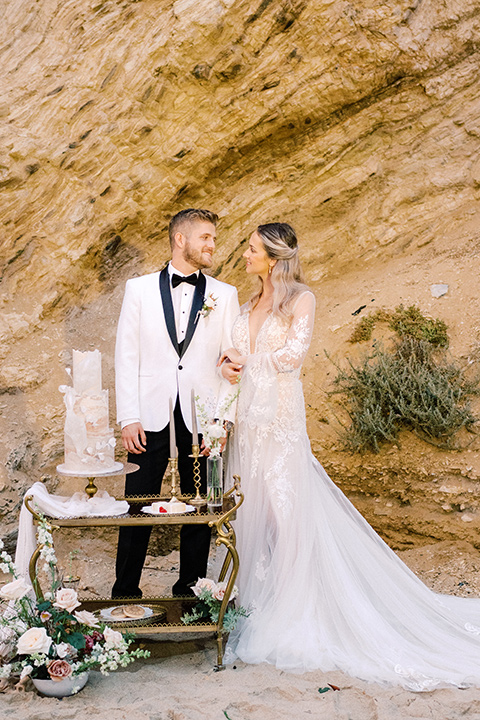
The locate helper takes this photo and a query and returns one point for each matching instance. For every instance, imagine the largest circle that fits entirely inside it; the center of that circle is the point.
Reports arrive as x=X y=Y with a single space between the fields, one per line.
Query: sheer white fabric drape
x=78 y=505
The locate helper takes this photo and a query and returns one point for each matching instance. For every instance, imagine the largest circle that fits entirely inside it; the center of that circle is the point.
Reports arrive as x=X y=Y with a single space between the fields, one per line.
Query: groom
x=167 y=346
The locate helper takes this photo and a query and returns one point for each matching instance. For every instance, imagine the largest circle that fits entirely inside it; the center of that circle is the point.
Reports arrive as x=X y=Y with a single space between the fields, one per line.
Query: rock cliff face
x=358 y=122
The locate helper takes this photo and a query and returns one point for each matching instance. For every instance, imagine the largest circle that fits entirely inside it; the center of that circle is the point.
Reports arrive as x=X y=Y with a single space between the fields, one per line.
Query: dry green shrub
x=413 y=386
x=406 y=322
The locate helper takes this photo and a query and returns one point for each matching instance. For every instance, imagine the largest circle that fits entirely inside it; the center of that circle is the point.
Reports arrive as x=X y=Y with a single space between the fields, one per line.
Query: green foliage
x=207 y=609
x=411 y=386
x=406 y=322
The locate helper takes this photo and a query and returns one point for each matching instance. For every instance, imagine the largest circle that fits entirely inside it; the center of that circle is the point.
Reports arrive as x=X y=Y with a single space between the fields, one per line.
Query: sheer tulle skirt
x=324 y=590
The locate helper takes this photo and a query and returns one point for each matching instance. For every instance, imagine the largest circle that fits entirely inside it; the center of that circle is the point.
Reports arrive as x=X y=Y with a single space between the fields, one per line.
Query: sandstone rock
x=358 y=123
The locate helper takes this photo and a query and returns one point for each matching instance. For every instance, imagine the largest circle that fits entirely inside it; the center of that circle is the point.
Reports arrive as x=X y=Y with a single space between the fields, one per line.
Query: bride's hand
x=231 y=371
x=231 y=363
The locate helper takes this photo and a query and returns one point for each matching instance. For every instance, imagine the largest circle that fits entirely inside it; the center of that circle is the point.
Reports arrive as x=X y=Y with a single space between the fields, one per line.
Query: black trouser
x=133 y=541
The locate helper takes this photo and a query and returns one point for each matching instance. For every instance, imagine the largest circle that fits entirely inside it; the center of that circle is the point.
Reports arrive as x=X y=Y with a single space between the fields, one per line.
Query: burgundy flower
x=90 y=641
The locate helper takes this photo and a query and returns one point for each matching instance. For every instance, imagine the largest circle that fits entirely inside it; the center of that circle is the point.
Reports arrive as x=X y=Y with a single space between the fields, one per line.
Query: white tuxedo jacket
x=150 y=368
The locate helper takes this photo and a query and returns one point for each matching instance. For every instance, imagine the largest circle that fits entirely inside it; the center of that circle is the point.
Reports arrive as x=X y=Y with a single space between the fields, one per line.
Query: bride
x=324 y=590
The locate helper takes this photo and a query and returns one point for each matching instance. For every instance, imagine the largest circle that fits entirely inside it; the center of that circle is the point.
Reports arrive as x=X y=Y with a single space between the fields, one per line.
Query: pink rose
x=219 y=590
x=86 y=618
x=59 y=670
x=66 y=599
x=203 y=584
x=113 y=638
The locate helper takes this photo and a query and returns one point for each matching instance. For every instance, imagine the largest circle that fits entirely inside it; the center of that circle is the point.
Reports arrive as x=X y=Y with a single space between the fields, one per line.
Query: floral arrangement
x=49 y=638
x=213 y=431
x=209 y=304
x=210 y=595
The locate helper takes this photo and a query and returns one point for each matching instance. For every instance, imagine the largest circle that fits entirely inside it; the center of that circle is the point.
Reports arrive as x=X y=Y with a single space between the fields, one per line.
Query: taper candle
x=173 y=440
x=194 y=421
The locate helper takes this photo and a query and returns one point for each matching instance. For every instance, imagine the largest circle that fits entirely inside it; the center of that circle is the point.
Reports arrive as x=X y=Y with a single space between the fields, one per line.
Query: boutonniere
x=209 y=304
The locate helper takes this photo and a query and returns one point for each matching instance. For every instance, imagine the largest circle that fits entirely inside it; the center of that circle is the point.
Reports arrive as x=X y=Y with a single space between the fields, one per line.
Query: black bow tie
x=190 y=279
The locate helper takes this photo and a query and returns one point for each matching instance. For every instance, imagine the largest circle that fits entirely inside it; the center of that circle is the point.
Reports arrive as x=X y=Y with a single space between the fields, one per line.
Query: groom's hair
x=190 y=215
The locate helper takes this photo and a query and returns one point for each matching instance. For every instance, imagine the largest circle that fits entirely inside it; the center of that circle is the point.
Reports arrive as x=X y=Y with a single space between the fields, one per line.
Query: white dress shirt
x=182 y=297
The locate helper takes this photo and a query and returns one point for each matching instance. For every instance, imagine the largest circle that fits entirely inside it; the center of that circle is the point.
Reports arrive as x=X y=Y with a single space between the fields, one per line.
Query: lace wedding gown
x=324 y=590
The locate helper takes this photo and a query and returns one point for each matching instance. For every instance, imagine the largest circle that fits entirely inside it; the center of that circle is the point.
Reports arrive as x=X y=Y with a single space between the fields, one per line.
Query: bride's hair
x=280 y=243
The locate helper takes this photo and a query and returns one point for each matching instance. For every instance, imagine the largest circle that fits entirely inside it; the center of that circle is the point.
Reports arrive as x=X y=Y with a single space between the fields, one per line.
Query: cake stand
x=117 y=469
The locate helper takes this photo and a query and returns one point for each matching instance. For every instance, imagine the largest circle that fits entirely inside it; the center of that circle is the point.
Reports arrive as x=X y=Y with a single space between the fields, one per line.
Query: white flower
x=203 y=584
x=4 y=568
x=34 y=640
x=26 y=670
x=5 y=671
x=63 y=649
x=209 y=304
x=113 y=638
x=14 y=590
x=86 y=618
x=216 y=431
x=66 y=599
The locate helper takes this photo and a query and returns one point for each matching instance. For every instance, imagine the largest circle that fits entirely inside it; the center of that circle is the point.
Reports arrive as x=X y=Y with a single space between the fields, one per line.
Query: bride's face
x=257 y=259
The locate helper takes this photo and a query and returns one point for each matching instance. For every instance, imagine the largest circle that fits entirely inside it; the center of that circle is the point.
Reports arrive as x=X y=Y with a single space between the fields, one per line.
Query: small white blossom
x=26 y=670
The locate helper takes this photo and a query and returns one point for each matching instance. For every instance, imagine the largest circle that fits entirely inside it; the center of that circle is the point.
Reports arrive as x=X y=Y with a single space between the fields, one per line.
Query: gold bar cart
x=171 y=607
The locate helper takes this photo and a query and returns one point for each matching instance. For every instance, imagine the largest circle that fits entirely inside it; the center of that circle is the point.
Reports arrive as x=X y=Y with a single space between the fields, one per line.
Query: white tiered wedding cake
x=89 y=442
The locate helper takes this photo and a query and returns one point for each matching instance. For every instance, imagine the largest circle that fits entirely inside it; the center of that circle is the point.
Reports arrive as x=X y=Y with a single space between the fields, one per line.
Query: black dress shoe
x=118 y=594
x=181 y=590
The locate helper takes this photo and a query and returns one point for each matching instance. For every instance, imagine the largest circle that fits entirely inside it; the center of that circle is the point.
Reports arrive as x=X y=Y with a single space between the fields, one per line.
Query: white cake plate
x=117 y=469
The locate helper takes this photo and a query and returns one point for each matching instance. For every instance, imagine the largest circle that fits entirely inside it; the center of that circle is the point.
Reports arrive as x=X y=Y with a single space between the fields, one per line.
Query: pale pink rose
x=66 y=599
x=34 y=640
x=219 y=590
x=86 y=618
x=113 y=638
x=15 y=590
x=203 y=584
x=59 y=670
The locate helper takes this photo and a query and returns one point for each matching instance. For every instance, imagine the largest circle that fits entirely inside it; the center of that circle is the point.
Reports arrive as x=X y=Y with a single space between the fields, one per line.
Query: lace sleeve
x=291 y=355
x=258 y=399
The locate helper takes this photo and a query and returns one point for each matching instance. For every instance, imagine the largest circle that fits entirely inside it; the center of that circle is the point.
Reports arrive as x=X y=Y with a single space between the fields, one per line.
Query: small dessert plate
x=106 y=614
x=150 y=511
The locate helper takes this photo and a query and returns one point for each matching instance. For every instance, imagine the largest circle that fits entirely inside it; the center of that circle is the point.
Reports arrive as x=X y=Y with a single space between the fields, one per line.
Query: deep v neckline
x=249 y=336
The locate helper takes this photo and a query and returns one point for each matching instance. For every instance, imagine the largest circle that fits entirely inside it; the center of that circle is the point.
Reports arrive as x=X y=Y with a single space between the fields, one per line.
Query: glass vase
x=214 y=483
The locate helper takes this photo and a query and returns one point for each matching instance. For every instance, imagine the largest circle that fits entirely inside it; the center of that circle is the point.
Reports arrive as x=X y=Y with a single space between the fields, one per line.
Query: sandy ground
x=184 y=687
x=178 y=681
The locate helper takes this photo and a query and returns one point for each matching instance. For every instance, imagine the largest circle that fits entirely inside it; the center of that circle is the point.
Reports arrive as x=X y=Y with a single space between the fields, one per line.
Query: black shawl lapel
x=168 y=307
x=197 y=304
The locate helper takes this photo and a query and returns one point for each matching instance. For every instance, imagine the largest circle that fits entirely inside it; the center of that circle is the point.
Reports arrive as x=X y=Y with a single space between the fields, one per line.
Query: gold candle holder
x=197 y=501
x=174 y=475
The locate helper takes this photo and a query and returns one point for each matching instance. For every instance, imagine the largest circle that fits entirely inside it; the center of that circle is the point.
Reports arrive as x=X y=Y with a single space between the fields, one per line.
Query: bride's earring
x=269 y=269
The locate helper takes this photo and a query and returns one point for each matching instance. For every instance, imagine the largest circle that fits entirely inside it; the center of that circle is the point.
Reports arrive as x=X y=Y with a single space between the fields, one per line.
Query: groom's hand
x=133 y=438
